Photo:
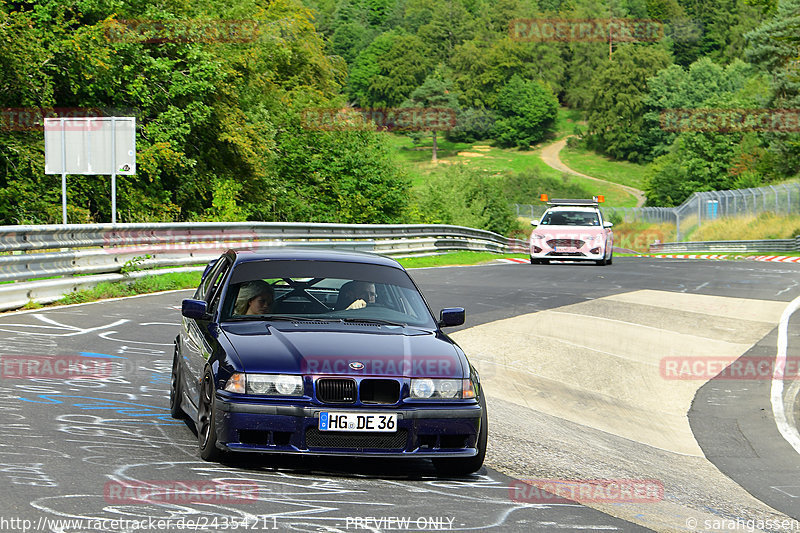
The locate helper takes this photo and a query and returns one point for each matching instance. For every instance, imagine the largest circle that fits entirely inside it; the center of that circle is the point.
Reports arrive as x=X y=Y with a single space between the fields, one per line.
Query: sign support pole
x=113 y=170
x=63 y=173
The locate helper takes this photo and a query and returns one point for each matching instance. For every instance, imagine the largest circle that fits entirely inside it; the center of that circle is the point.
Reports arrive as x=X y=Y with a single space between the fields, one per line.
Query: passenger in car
x=254 y=298
x=356 y=295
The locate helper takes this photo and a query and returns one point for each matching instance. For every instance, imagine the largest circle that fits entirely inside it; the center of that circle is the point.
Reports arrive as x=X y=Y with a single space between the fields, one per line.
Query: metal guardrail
x=765 y=246
x=703 y=207
x=83 y=255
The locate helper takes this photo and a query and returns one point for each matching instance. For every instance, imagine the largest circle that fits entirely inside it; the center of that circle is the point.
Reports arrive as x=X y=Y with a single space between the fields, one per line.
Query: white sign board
x=91 y=145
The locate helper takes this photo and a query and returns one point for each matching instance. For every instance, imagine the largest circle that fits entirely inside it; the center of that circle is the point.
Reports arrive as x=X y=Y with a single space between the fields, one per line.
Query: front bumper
x=588 y=252
x=422 y=431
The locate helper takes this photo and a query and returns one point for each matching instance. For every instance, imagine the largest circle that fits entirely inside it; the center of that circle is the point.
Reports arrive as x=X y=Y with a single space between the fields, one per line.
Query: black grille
x=331 y=390
x=573 y=243
x=356 y=441
x=385 y=391
x=571 y=254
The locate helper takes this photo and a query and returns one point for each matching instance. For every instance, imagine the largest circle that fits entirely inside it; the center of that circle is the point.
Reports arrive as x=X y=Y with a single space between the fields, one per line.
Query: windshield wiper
x=289 y=318
x=374 y=321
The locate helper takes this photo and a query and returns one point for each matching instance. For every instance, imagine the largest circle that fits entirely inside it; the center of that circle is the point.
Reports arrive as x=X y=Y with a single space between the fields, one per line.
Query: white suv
x=572 y=230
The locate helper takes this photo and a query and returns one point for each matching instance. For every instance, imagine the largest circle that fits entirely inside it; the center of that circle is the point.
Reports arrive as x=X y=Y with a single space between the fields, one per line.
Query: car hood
x=348 y=349
x=571 y=232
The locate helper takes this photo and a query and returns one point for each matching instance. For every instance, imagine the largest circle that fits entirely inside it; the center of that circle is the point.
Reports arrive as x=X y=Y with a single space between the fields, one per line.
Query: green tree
x=527 y=112
x=346 y=175
x=775 y=48
x=465 y=197
x=450 y=24
x=700 y=160
x=674 y=89
x=615 y=115
x=434 y=94
x=723 y=25
x=389 y=69
x=481 y=69
x=212 y=117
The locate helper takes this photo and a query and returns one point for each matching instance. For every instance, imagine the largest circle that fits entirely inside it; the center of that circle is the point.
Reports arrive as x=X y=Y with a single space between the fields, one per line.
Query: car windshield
x=570 y=218
x=324 y=290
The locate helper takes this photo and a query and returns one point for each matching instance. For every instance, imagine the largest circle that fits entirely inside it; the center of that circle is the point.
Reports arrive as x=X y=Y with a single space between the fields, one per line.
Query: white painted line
x=793 y=494
x=789 y=432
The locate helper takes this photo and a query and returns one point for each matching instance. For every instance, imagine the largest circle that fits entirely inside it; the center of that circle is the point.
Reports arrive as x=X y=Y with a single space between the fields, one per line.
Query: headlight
x=422 y=388
x=267 y=384
x=445 y=389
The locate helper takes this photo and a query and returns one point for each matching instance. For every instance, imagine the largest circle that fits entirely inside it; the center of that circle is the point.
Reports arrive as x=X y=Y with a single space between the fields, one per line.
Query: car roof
x=318 y=254
x=574 y=208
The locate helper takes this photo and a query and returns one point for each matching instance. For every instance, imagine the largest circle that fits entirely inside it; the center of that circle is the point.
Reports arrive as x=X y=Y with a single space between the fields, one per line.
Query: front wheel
x=207 y=421
x=463 y=466
x=176 y=389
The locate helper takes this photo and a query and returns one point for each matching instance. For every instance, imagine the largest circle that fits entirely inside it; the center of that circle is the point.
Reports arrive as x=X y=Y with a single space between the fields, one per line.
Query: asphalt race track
x=66 y=445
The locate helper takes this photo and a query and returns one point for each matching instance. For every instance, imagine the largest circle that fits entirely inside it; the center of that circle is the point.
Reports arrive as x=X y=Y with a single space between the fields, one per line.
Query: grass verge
x=145 y=285
x=455 y=259
x=763 y=226
x=593 y=164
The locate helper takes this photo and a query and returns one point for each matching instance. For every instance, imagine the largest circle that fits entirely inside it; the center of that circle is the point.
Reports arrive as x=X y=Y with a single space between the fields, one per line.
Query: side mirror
x=451 y=316
x=607 y=224
x=534 y=222
x=195 y=309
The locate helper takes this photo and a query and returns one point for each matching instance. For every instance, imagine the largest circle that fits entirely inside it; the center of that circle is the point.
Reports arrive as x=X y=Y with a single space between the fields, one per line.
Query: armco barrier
x=765 y=246
x=80 y=256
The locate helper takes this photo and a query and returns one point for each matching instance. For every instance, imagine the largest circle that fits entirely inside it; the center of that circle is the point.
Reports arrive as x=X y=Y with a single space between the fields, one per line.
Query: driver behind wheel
x=356 y=295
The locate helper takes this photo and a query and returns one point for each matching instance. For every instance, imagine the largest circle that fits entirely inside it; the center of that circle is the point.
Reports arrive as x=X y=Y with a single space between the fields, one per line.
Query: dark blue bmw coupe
x=324 y=353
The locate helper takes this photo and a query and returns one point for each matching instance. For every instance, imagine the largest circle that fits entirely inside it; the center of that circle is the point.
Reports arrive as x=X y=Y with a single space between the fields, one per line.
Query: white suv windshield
x=570 y=218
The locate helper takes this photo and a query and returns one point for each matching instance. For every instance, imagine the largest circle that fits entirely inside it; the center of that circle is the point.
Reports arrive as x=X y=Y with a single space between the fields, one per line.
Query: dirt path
x=551 y=159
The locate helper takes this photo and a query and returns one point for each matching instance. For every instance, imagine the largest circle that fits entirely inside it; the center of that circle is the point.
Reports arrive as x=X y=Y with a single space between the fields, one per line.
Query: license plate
x=336 y=421
x=565 y=249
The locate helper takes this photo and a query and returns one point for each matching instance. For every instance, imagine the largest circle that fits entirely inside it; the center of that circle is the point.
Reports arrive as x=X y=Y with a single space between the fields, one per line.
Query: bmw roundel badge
x=357 y=365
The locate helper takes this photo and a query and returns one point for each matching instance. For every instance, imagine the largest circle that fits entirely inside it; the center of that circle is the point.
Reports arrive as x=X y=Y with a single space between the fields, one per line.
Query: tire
x=176 y=390
x=535 y=261
x=207 y=421
x=610 y=258
x=601 y=262
x=464 y=466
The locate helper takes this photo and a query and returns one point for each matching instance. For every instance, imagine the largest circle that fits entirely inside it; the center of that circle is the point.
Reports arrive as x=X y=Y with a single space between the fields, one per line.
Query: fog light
x=594 y=251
